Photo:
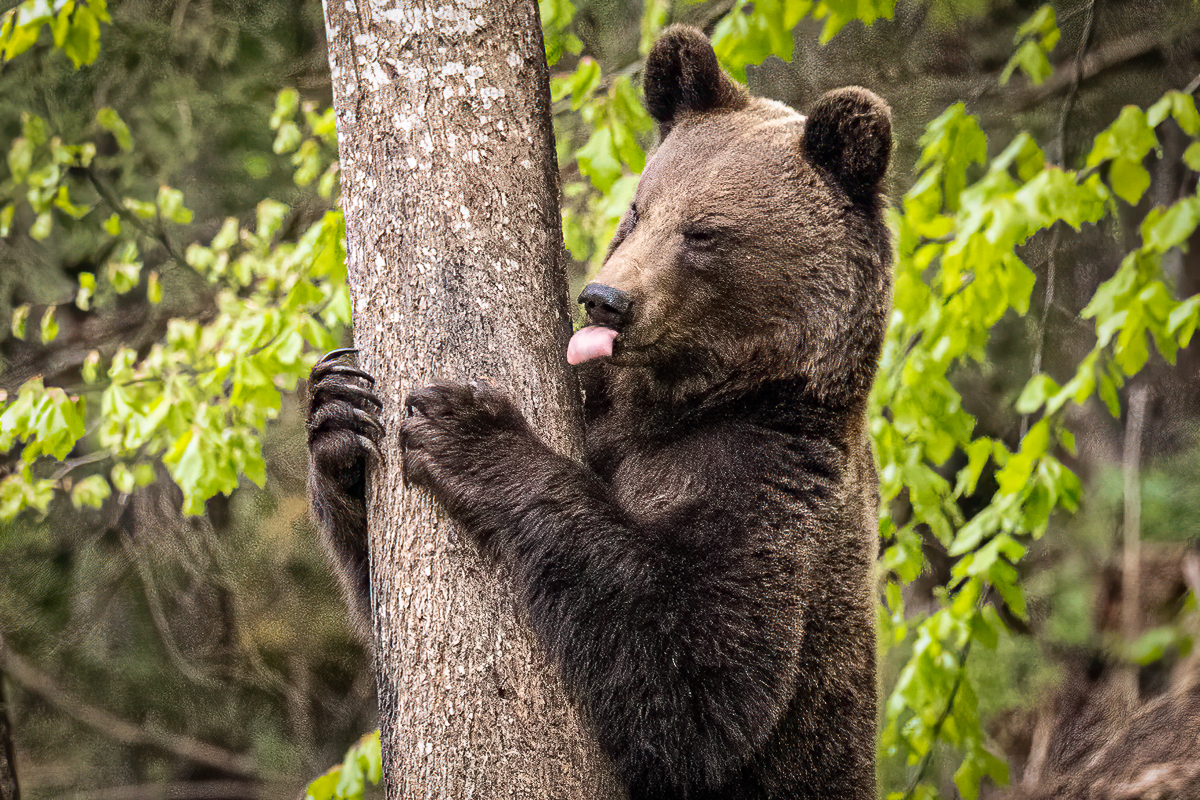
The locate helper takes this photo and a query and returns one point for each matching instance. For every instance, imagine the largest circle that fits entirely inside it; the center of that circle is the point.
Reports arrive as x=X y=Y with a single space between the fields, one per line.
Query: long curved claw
x=321 y=371
x=333 y=354
x=346 y=391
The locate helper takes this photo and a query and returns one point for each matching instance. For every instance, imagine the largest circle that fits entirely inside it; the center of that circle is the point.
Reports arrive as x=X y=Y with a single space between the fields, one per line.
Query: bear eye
x=699 y=237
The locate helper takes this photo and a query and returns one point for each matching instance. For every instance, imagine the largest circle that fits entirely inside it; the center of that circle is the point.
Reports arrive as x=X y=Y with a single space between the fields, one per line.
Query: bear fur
x=705 y=581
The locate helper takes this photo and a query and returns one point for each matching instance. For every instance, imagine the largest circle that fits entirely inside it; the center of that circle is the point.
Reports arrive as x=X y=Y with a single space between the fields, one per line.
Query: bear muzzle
x=606 y=305
x=608 y=308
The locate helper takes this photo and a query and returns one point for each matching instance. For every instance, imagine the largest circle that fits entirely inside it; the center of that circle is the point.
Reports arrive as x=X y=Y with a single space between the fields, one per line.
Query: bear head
x=755 y=248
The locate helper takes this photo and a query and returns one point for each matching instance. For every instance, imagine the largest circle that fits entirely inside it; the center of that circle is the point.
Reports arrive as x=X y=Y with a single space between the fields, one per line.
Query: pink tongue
x=591 y=342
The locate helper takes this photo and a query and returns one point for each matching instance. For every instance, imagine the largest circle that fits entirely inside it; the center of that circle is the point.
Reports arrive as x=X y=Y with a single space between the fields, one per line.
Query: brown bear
x=705 y=580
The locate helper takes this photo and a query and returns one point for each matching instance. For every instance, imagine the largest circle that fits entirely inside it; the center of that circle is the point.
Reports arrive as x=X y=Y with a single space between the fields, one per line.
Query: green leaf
x=62 y=200
x=1164 y=229
x=1191 y=156
x=91 y=492
x=41 y=226
x=19 y=316
x=287 y=103
x=82 y=41
x=1179 y=105
x=271 y=214
x=49 y=327
x=87 y=286
x=1183 y=320
x=598 y=160
x=1034 y=395
x=1031 y=58
x=20 y=158
x=143 y=475
x=122 y=478
x=140 y=208
x=153 y=288
x=124 y=275
x=108 y=119
x=1129 y=179
x=325 y=787
x=287 y=138
x=20 y=27
x=91 y=367
x=170 y=205
x=1129 y=137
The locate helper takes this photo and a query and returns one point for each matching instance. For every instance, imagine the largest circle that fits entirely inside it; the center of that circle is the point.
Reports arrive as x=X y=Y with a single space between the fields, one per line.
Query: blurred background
x=149 y=653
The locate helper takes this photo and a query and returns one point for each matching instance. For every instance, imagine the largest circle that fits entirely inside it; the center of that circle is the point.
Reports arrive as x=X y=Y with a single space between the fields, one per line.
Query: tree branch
x=34 y=681
x=178 y=790
x=1112 y=53
x=113 y=202
x=941 y=720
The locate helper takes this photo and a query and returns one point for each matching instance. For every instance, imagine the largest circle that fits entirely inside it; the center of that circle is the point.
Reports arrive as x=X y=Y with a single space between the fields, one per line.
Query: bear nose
x=605 y=305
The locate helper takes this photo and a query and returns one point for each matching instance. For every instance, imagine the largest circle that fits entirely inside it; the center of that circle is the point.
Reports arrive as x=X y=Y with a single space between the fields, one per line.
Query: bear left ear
x=682 y=75
x=849 y=134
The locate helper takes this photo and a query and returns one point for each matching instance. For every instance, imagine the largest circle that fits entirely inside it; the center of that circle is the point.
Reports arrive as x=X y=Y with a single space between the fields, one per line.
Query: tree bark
x=450 y=191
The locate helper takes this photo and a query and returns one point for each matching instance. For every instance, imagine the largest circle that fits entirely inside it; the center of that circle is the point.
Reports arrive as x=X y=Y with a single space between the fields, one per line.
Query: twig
x=1111 y=54
x=72 y=463
x=32 y=680
x=941 y=720
x=1131 y=601
x=1052 y=259
x=113 y=202
x=1040 y=344
x=1085 y=41
x=159 y=618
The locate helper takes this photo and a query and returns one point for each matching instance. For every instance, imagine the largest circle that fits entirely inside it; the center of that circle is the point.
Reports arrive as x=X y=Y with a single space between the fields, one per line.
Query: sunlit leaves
x=958 y=273
x=347 y=781
x=109 y=120
x=1034 y=40
x=201 y=399
x=46 y=418
x=91 y=492
x=74 y=26
x=752 y=31
x=556 y=17
x=311 y=138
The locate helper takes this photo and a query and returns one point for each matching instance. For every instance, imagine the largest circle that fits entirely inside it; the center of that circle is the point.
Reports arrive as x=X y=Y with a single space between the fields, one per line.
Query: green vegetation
x=141 y=182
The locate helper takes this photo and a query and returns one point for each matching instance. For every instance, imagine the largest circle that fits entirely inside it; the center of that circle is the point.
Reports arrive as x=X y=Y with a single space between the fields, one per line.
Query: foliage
x=199 y=400
x=348 y=780
x=1034 y=40
x=74 y=24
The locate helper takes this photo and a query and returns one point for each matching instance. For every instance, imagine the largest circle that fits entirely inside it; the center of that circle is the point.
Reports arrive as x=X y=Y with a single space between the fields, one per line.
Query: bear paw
x=462 y=443
x=344 y=432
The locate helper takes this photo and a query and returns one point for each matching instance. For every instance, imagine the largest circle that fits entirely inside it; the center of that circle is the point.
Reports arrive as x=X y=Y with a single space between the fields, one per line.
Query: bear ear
x=682 y=75
x=849 y=134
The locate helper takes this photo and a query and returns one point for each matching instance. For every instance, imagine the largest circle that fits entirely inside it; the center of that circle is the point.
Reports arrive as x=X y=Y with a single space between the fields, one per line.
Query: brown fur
x=704 y=581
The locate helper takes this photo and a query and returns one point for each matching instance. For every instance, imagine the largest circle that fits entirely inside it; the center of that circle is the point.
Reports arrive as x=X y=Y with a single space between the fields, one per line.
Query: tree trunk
x=450 y=190
x=9 y=789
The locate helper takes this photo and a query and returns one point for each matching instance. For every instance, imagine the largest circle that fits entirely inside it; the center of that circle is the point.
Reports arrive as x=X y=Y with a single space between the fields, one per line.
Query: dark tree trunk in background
x=9 y=789
x=449 y=185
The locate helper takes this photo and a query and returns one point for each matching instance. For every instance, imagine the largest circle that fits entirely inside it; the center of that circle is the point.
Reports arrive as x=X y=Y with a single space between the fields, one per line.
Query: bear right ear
x=849 y=134
x=682 y=75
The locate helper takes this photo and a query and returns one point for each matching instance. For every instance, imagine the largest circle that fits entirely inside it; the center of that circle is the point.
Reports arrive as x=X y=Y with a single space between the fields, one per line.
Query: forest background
x=171 y=265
